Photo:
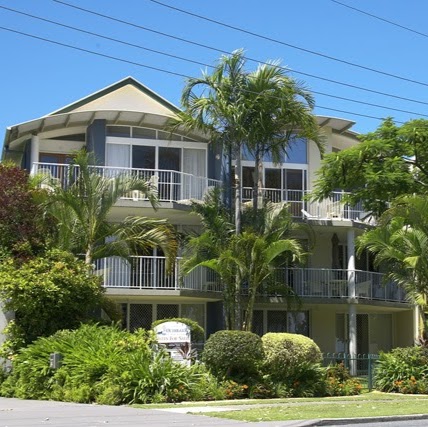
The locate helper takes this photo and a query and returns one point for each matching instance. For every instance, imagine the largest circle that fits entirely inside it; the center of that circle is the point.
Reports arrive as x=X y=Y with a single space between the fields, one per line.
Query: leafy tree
x=47 y=293
x=400 y=245
x=388 y=162
x=22 y=230
x=82 y=212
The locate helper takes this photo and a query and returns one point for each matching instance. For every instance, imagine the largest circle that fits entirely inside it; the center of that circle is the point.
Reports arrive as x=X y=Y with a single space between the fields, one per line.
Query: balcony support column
x=352 y=313
x=34 y=154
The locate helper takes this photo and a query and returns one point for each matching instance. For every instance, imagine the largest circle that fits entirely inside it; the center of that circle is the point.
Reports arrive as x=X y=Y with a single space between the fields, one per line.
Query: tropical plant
x=400 y=245
x=107 y=365
x=81 y=211
x=248 y=261
x=280 y=117
x=403 y=370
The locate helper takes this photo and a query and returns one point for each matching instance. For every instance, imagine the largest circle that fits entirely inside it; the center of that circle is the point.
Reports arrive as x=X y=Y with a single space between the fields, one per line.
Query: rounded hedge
x=233 y=353
x=285 y=353
x=197 y=333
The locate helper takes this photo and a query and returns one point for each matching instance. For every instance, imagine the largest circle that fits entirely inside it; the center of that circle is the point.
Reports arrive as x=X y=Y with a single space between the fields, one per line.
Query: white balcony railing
x=171 y=185
x=331 y=208
x=175 y=186
x=150 y=272
x=329 y=283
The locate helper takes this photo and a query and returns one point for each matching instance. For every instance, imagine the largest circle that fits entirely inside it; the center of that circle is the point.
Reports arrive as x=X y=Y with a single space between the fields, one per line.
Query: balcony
x=172 y=186
x=331 y=208
x=150 y=273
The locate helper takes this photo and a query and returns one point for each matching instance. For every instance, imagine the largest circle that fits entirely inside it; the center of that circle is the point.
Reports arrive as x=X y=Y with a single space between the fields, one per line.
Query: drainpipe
x=352 y=308
x=34 y=153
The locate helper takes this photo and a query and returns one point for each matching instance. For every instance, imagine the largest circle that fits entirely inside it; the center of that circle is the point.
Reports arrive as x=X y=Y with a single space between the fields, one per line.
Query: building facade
x=345 y=304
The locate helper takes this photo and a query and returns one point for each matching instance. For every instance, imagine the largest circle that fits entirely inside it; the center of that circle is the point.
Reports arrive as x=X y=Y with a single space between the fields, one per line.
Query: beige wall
x=323 y=328
x=403 y=329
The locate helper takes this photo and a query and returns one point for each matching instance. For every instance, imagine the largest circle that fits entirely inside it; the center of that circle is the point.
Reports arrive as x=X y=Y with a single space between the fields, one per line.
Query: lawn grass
x=364 y=405
x=367 y=405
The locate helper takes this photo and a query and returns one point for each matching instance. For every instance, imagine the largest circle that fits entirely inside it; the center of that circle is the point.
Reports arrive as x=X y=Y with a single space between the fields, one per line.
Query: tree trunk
x=88 y=255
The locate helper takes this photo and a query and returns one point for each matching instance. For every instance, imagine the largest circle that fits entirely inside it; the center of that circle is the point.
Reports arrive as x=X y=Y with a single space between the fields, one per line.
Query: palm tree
x=81 y=212
x=400 y=244
x=250 y=259
x=281 y=114
x=216 y=104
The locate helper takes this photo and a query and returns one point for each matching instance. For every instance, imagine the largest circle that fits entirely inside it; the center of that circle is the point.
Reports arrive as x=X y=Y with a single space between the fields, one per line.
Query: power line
x=191 y=60
x=312 y=52
x=381 y=19
x=138 y=64
x=228 y=53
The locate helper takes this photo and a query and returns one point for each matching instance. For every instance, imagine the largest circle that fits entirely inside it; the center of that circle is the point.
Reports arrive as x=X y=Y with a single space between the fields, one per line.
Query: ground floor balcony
x=151 y=273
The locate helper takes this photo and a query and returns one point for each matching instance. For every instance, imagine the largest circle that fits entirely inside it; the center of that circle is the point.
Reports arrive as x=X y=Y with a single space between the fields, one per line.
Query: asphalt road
x=33 y=413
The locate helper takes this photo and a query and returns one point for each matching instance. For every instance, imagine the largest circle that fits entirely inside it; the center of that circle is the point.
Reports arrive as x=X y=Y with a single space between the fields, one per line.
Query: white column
x=416 y=319
x=35 y=148
x=352 y=313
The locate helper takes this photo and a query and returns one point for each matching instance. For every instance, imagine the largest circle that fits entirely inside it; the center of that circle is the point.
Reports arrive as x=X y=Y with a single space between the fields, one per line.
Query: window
x=143 y=157
x=119 y=131
x=144 y=133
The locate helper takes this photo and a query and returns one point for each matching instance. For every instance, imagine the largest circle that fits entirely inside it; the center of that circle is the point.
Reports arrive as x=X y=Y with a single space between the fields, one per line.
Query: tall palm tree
x=216 y=104
x=81 y=212
x=400 y=244
x=281 y=114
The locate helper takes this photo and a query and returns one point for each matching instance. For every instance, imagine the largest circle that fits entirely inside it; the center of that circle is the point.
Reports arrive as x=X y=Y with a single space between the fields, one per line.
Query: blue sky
x=37 y=77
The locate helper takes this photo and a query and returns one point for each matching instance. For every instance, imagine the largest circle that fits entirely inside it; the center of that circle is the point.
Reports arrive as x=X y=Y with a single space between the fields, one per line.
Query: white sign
x=175 y=337
x=172 y=332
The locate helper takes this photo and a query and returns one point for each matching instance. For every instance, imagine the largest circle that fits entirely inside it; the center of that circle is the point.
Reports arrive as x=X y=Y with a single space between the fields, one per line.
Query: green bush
x=285 y=352
x=235 y=354
x=338 y=381
x=47 y=294
x=106 y=365
x=197 y=333
x=403 y=370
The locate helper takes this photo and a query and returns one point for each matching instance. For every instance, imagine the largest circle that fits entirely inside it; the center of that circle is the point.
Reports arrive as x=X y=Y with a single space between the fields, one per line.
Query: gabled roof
x=113 y=88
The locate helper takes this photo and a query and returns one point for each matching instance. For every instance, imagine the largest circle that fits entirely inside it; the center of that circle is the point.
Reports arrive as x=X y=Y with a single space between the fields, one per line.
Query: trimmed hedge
x=235 y=354
x=197 y=333
x=285 y=352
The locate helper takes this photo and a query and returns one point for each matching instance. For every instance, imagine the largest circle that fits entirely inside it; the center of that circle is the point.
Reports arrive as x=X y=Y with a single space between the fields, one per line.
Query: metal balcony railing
x=333 y=283
x=171 y=185
x=330 y=208
x=150 y=272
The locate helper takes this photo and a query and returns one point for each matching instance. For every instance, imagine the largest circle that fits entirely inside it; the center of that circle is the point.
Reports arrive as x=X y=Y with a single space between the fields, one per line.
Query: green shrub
x=284 y=353
x=106 y=365
x=197 y=333
x=403 y=370
x=338 y=381
x=47 y=293
x=235 y=354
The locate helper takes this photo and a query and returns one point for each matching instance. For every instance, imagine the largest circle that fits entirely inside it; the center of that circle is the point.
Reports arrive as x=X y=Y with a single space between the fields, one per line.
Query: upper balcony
x=175 y=186
x=150 y=273
x=172 y=186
